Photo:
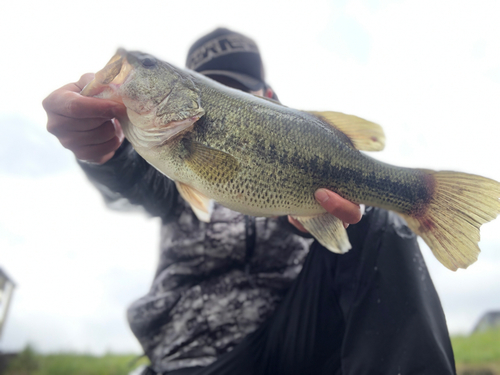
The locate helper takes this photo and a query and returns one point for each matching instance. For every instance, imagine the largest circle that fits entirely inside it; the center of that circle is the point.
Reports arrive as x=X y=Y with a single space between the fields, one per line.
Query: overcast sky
x=428 y=71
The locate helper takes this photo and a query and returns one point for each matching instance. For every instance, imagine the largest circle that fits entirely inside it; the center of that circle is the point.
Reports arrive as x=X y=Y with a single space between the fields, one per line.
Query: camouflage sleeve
x=128 y=182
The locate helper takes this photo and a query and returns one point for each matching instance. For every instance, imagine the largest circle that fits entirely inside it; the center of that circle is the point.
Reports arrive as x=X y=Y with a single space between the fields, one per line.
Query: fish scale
x=340 y=167
x=261 y=158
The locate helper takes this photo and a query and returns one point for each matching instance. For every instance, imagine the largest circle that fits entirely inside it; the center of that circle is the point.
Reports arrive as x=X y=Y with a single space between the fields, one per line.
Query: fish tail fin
x=450 y=223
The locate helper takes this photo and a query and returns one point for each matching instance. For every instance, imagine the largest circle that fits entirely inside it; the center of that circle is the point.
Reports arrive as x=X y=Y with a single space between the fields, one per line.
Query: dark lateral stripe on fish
x=264 y=159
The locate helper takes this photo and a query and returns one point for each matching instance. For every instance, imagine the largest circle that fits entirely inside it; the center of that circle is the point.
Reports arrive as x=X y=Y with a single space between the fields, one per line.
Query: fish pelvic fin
x=201 y=205
x=328 y=230
x=364 y=135
x=450 y=223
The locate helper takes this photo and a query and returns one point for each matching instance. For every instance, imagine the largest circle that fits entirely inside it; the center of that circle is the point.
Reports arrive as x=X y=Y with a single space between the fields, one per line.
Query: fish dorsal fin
x=201 y=205
x=364 y=135
x=215 y=166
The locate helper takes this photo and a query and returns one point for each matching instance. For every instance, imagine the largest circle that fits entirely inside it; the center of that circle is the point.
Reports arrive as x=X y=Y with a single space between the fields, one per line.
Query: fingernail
x=321 y=195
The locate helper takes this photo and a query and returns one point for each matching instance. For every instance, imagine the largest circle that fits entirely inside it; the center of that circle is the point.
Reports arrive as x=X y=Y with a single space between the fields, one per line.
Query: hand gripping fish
x=258 y=157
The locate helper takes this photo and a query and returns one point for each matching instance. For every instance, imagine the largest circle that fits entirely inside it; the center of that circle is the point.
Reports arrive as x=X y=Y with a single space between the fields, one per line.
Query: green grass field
x=474 y=354
x=31 y=363
x=477 y=351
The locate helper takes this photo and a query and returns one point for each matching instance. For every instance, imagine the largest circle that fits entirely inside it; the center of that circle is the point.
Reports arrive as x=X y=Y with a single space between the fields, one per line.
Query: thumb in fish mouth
x=106 y=75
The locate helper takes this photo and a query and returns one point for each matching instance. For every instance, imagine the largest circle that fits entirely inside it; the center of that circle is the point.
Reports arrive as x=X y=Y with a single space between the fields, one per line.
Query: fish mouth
x=141 y=123
x=110 y=78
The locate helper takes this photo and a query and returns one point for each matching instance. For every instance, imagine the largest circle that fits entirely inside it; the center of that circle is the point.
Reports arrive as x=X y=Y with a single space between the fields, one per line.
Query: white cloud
x=76 y=264
x=26 y=149
x=426 y=71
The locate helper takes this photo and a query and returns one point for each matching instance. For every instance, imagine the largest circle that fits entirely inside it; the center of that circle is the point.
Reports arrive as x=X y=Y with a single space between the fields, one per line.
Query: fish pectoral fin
x=213 y=165
x=328 y=230
x=364 y=135
x=201 y=205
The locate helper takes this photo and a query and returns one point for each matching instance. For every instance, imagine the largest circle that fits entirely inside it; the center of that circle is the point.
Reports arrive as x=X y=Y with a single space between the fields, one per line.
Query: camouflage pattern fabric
x=205 y=299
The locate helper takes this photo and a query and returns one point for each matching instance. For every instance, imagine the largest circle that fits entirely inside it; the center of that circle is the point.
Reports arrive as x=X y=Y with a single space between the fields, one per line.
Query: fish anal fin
x=328 y=230
x=201 y=205
x=215 y=166
x=364 y=135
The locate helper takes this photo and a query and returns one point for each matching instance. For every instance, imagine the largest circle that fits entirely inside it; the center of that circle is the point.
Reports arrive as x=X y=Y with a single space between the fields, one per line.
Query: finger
x=76 y=139
x=84 y=80
x=74 y=105
x=337 y=206
x=118 y=129
x=68 y=102
x=297 y=224
x=95 y=153
x=78 y=85
x=57 y=124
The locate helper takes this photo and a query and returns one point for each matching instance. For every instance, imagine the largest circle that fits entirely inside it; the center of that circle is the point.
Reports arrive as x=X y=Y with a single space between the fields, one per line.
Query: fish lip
x=109 y=79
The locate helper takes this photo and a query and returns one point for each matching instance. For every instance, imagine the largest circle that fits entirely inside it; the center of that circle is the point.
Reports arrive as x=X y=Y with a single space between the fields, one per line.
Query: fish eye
x=149 y=61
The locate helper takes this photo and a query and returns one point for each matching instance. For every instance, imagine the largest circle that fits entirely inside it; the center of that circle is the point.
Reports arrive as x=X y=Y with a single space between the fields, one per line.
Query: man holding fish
x=235 y=294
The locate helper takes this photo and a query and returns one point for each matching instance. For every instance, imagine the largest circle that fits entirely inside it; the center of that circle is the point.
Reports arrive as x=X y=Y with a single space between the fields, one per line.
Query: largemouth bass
x=258 y=157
